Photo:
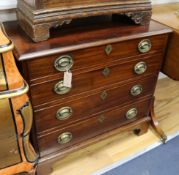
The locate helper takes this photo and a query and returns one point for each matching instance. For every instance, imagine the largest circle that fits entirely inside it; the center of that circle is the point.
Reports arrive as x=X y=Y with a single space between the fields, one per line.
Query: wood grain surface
x=89 y=106
x=15 y=144
x=3 y=40
x=44 y=66
x=46 y=4
x=120 y=147
x=80 y=35
x=90 y=82
x=95 y=94
x=101 y=123
x=167 y=14
x=37 y=17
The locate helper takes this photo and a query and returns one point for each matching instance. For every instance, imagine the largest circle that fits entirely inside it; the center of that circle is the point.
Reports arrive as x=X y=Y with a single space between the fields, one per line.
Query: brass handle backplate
x=131 y=114
x=145 y=46
x=140 y=68
x=63 y=63
x=136 y=90
x=64 y=138
x=60 y=89
x=64 y=113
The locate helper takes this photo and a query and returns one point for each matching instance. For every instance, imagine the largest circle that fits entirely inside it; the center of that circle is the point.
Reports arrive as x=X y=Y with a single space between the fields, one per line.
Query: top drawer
x=83 y=59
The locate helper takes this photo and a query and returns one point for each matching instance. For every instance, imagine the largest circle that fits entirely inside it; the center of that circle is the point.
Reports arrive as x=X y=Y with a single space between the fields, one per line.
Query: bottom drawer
x=76 y=133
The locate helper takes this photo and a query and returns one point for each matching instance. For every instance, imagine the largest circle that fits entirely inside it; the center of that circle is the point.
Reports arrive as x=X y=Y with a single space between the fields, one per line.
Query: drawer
x=44 y=67
x=65 y=113
x=99 y=124
x=90 y=81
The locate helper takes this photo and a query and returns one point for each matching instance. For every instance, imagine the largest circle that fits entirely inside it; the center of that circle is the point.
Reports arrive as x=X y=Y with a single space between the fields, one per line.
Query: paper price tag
x=67 y=80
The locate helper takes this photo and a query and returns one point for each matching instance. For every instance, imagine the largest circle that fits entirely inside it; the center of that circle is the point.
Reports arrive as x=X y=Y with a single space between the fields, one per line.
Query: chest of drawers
x=115 y=70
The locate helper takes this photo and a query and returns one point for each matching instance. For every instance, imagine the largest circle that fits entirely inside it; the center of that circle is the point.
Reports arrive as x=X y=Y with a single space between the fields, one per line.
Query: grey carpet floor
x=163 y=160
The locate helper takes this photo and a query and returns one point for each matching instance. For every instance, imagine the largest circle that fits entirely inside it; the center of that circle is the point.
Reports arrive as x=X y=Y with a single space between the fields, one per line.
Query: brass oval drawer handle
x=145 y=46
x=64 y=113
x=63 y=63
x=60 y=89
x=136 y=90
x=131 y=114
x=64 y=138
x=140 y=68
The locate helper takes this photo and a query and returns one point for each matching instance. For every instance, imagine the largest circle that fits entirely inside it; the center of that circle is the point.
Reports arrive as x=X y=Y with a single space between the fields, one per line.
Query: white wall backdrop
x=163 y=1
x=5 y=4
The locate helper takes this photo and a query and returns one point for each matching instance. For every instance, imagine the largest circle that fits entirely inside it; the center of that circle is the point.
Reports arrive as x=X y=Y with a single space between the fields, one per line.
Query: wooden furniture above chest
x=115 y=70
x=36 y=17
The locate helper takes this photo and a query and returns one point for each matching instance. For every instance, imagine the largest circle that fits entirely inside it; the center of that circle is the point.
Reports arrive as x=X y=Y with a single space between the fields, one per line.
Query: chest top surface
x=80 y=34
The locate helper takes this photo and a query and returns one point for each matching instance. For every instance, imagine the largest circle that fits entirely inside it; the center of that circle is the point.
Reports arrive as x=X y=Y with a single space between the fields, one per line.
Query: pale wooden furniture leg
x=155 y=124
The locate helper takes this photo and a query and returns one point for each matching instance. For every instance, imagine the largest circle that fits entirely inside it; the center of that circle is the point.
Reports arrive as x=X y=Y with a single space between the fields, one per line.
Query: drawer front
x=92 y=80
x=104 y=122
x=43 y=67
x=65 y=113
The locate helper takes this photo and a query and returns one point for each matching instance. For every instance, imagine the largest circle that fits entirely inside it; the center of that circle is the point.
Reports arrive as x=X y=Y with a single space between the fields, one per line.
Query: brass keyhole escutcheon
x=108 y=49
x=106 y=72
x=101 y=118
x=104 y=95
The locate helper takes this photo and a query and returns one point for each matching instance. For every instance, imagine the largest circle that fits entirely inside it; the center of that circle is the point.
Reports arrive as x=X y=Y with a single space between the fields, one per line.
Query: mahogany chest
x=114 y=73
